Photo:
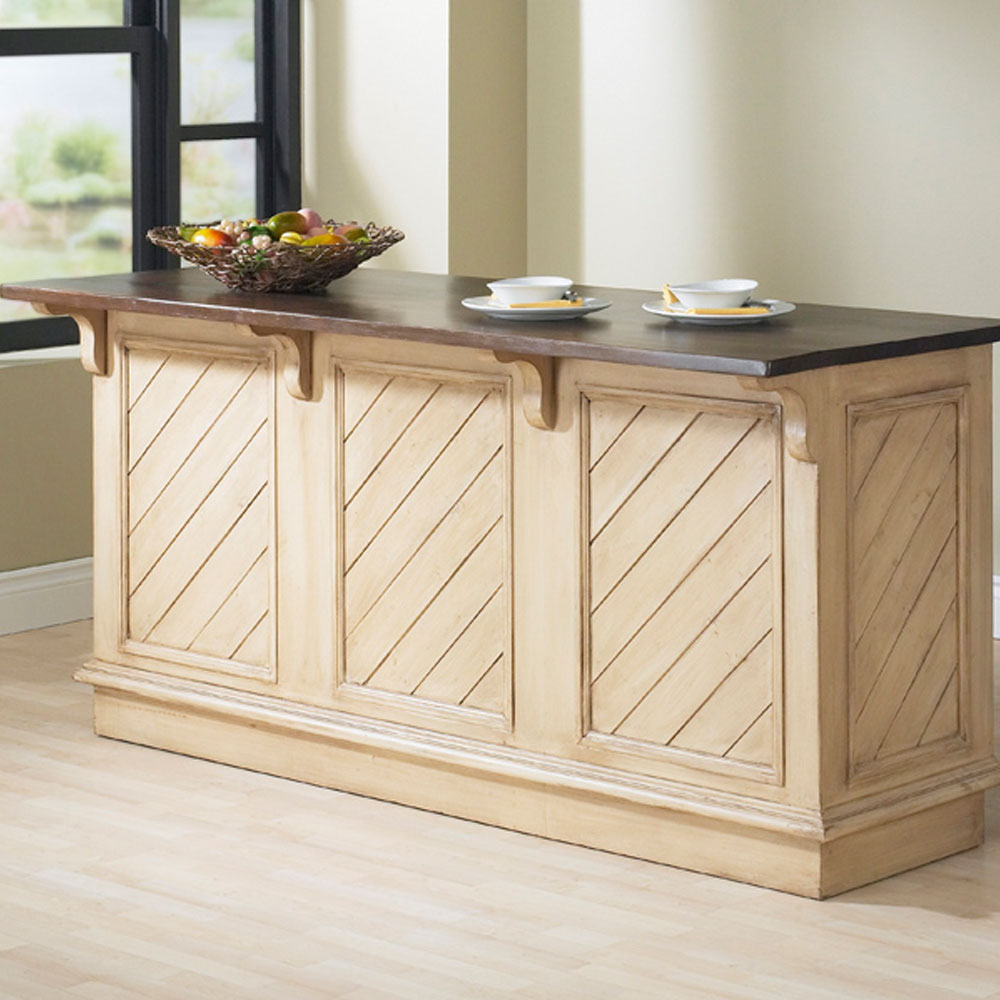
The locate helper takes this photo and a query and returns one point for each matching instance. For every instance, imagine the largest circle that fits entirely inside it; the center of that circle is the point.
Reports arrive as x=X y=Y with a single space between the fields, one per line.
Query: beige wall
x=840 y=152
x=45 y=511
x=375 y=120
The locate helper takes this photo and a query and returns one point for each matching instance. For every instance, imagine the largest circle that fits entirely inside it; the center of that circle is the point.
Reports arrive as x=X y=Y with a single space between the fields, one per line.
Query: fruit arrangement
x=289 y=252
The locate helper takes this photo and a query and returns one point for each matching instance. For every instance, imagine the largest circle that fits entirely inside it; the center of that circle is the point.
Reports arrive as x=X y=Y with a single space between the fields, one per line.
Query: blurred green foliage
x=21 y=13
x=53 y=13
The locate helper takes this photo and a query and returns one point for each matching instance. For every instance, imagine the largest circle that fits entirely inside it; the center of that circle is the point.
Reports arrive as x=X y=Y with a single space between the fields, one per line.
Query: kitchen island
x=715 y=597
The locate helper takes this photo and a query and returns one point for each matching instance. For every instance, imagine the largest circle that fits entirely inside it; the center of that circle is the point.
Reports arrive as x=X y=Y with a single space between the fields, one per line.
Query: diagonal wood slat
x=621 y=468
x=474 y=448
x=198 y=550
x=932 y=467
x=409 y=460
x=488 y=694
x=904 y=577
x=742 y=697
x=382 y=424
x=915 y=562
x=608 y=419
x=141 y=366
x=929 y=684
x=425 y=539
x=672 y=554
x=681 y=617
x=682 y=590
x=166 y=390
x=443 y=620
x=475 y=650
x=688 y=682
x=212 y=396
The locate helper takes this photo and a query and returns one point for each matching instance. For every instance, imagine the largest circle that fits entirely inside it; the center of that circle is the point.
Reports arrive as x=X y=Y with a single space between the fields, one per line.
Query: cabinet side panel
x=907 y=599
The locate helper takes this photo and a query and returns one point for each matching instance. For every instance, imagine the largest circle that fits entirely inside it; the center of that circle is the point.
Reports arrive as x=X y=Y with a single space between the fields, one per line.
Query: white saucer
x=680 y=315
x=485 y=304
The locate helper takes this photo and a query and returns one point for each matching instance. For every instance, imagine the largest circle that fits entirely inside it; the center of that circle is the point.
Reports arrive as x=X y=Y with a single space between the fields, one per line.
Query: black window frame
x=150 y=34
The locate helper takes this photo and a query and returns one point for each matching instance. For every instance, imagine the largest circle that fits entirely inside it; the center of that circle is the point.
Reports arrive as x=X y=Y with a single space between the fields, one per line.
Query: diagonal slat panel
x=243 y=606
x=431 y=566
x=218 y=578
x=624 y=466
x=909 y=651
x=489 y=690
x=680 y=618
x=732 y=708
x=253 y=649
x=634 y=531
x=407 y=461
x=472 y=653
x=184 y=554
x=675 y=553
x=187 y=426
x=944 y=721
x=389 y=416
x=868 y=446
x=141 y=365
x=889 y=470
x=932 y=678
x=164 y=393
x=904 y=513
x=443 y=620
x=361 y=389
x=688 y=682
x=884 y=623
x=904 y=575
x=195 y=474
x=473 y=449
x=607 y=419
x=756 y=745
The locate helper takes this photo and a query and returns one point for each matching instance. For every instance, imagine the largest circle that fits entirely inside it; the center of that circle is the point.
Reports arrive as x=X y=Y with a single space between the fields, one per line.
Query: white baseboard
x=38 y=596
x=996 y=607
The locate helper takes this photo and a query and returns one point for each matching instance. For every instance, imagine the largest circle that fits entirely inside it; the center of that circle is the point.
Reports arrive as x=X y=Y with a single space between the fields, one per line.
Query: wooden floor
x=133 y=873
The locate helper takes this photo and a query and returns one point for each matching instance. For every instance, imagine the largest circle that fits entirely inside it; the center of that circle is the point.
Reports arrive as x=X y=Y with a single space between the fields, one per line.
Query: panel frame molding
x=410 y=709
x=940 y=753
x=156 y=656
x=639 y=755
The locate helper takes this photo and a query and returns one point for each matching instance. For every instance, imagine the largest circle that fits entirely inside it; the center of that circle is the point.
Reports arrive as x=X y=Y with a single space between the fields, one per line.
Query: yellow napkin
x=735 y=311
x=550 y=304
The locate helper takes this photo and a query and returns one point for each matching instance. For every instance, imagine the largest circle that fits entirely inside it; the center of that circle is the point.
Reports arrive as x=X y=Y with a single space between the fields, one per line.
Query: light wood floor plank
x=131 y=873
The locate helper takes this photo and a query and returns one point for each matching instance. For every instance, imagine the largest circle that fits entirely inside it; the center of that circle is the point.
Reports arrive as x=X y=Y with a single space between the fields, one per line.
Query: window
x=135 y=115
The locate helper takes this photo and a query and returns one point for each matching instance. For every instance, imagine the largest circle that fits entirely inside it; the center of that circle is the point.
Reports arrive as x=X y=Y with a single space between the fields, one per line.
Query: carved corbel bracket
x=794 y=417
x=93 y=324
x=295 y=355
x=535 y=379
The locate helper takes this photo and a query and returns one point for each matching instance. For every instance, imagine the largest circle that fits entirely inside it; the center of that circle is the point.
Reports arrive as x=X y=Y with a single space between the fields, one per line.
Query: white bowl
x=723 y=293
x=530 y=289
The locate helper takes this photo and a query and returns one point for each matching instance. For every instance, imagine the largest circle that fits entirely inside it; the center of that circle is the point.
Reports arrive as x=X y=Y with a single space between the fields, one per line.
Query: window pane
x=59 y=13
x=218 y=180
x=217 y=61
x=65 y=169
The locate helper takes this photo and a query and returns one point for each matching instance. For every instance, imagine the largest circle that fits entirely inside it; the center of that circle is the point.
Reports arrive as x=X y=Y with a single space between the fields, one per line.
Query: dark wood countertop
x=426 y=307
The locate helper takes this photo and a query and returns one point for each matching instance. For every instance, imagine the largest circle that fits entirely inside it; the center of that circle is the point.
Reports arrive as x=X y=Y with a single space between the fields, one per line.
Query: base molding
x=768 y=844
x=51 y=594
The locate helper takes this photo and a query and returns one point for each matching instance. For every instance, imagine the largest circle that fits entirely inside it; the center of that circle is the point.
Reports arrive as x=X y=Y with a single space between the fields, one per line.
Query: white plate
x=485 y=304
x=678 y=313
